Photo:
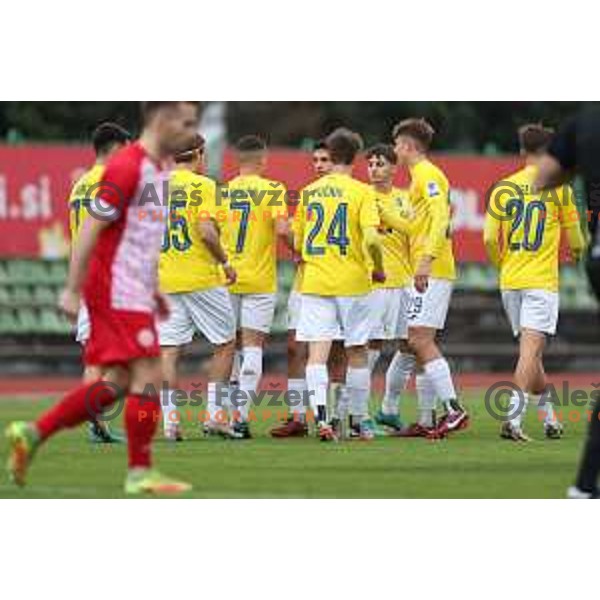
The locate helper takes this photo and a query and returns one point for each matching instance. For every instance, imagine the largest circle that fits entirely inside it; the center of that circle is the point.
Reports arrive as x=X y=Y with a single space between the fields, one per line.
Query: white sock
x=217 y=405
x=170 y=418
x=359 y=389
x=438 y=372
x=425 y=400
x=517 y=408
x=546 y=409
x=297 y=404
x=396 y=379
x=373 y=359
x=338 y=400
x=317 y=383
x=250 y=375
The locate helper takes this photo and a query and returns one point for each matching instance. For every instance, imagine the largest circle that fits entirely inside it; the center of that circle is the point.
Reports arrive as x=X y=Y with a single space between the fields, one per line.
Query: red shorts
x=119 y=336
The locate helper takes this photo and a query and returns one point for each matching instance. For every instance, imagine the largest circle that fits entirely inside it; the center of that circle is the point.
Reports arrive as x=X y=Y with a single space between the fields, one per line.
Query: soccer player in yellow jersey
x=194 y=271
x=390 y=300
x=107 y=139
x=433 y=267
x=257 y=214
x=297 y=351
x=335 y=228
x=522 y=236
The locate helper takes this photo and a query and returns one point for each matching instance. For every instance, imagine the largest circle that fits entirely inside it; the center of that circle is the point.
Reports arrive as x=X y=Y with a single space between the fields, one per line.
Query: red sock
x=80 y=405
x=142 y=414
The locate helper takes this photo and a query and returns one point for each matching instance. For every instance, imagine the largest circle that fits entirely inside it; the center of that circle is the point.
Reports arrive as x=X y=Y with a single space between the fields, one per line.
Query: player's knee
x=92 y=374
x=118 y=376
x=418 y=342
x=146 y=374
x=169 y=357
x=358 y=357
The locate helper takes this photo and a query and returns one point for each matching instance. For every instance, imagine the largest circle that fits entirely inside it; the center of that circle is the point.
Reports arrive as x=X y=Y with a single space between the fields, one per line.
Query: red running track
x=50 y=386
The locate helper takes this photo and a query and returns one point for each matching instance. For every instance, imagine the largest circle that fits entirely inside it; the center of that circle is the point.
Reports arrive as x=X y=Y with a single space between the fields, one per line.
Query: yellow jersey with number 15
x=186 y=265
x=79 y=199
x=431 y=229
x=328 y=231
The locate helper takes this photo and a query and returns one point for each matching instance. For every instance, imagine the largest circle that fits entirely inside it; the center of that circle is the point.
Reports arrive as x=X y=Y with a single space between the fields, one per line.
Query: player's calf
x=437 y=371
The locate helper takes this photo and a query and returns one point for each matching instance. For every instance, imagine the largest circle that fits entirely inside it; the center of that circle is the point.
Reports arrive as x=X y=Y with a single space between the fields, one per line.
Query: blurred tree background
x=462 y=126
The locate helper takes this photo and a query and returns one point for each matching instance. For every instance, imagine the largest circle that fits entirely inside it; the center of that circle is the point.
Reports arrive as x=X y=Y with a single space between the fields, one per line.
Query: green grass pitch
x=471 y=464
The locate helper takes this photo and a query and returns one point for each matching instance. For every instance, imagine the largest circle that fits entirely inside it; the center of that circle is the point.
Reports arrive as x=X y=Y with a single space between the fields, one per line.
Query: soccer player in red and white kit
x=115 y=266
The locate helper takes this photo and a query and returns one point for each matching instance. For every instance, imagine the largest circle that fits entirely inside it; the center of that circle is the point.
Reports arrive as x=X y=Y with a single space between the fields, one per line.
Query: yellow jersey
x=186 y=265
x=329 y=230
x=395 y=245
x=431 y=231
x=253 y=205
x=79 y=199
x=523 y=231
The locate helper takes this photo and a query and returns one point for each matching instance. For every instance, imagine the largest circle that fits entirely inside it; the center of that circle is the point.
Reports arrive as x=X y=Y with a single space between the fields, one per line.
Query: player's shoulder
x=87 y=179
x=356 y=186
x=273 y=183
x=128 y=155
x=127 y=161
x=427 y=169
x=313 y=188
x=431 y=179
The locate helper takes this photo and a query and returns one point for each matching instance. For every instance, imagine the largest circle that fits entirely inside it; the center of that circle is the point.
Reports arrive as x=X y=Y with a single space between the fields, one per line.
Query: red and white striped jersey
x=123 y=270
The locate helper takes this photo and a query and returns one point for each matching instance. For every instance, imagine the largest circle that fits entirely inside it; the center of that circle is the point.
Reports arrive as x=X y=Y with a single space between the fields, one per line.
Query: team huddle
x=374 y=267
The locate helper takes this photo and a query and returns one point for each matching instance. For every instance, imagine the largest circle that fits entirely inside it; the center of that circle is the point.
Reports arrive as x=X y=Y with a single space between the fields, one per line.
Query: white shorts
x=430 y=309
x=293 y=310
x=254 y=311
x=389 y=313
x=207 y=312
x=531 y=309
x=330 y=318
x=82 y=334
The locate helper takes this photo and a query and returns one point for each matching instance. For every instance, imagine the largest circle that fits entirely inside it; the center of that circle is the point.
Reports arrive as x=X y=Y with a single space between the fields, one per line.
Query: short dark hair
x=320 y=145
x=188 y=154
x=343 y=146
x=251 y=143
x=149 y=109
x=384 y=150
x=418 y=129
x=106 y=135
x=534 y=138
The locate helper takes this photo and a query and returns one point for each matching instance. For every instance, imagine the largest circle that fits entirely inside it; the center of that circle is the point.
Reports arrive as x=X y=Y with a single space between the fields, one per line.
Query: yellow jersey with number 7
x=253 y=205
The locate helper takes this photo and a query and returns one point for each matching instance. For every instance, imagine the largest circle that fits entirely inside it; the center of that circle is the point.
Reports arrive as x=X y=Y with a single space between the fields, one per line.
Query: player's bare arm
x=576 y=240
x=373 y=246
x=490 y=239
x=212 y=240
